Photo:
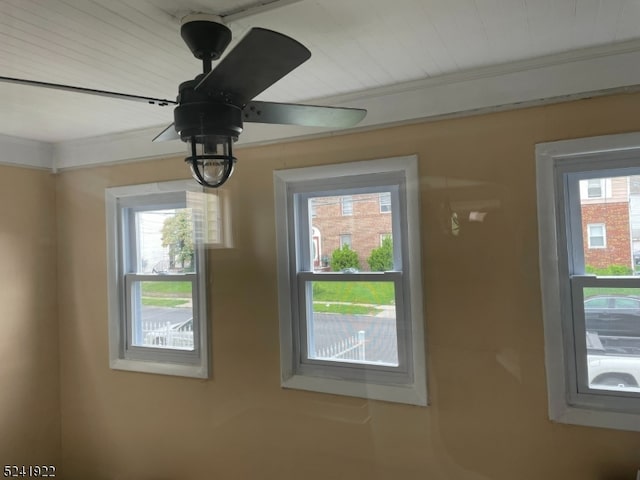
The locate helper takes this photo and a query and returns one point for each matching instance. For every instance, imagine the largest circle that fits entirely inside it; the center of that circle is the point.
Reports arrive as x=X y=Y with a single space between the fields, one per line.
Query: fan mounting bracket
x=206 y=37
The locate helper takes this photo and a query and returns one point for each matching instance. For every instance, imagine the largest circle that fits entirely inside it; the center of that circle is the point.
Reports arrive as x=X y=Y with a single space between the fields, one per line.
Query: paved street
x=162 y=315
x=380 y=334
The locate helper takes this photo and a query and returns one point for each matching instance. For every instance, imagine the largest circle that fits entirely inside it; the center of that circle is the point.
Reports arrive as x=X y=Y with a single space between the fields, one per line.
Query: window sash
x=595 y=188
x=597 y=235
x=627 y=401
x=345 y=239
x=300 y=217
x=131 y=299
x=385 y=202
x=348 y=370
x=346 y=205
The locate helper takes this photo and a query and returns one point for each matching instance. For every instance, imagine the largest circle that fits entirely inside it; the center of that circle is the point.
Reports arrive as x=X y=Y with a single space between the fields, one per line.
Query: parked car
x=607 y=371
x=613 y=315
x=611 y=371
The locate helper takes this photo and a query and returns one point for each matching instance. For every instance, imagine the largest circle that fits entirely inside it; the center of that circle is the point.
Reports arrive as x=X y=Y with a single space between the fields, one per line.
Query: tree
x=381 y=258
x=343 y=258
x=177 y=234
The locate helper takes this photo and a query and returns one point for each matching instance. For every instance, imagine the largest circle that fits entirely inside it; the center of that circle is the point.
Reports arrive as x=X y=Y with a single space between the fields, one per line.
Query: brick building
x=606 y=222
x=361 y=221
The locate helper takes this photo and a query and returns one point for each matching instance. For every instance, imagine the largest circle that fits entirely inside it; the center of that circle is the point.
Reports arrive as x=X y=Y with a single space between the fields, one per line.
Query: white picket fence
x=350 y=348
x=156 y=334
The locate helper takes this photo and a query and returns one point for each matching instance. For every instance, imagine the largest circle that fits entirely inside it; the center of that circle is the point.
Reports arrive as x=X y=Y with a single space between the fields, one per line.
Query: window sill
x=194 y=371
x=407 y=394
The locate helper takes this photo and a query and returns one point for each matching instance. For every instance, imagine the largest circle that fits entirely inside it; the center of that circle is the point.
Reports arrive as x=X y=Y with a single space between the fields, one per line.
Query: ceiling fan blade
x=167 y=134
x=102 y=93
x=306 y=115
x=259 y=60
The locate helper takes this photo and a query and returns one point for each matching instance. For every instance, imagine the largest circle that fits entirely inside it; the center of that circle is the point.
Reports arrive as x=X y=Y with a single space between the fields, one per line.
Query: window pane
x=612 y=317
x=351 y=242
x=162 y=315
x=347 y=205
x=612 y=311
x=345 y=240
x=596 y=234
x=610 y=209
x=353 y=321
x=594 y=188
x=164 y=241
x=385 y=202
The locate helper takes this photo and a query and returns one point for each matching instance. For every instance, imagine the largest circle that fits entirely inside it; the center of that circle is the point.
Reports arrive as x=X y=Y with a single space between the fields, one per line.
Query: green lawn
x=591 y=291
x=163 y=302
x=345 y=309
x=166 y=289
x=372 y=293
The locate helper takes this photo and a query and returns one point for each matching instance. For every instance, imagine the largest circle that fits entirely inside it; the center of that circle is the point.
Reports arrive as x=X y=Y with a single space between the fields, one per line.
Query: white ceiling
x=401 y=59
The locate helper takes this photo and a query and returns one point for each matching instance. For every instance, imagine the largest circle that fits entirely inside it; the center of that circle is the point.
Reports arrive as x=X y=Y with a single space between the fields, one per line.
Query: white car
x=609 y=371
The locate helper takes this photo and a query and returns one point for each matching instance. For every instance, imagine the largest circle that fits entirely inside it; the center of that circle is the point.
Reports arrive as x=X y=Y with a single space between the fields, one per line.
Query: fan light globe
x=211 y=160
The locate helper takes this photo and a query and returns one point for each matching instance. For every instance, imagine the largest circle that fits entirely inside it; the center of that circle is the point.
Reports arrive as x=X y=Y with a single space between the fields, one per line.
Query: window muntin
x=157 y=305
x=372 y=339
x=584 y=331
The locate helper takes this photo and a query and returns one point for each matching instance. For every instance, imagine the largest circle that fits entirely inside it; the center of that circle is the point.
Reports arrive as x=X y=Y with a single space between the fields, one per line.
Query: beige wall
x=29 y=360
x=488 y=414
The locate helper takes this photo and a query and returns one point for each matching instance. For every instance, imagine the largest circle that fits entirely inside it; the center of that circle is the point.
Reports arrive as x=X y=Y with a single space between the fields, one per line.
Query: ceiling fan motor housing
x=206 y=114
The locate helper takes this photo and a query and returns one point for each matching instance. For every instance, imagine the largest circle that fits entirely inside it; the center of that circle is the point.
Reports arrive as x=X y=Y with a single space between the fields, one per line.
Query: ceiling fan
x=211 y=108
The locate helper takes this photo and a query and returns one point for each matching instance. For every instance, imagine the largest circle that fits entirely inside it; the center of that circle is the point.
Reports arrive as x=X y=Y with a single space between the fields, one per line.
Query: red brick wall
x=365 y=225
x=615 y=217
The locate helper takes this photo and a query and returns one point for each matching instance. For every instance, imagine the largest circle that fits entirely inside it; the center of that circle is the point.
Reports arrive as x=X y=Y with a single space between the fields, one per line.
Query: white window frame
x=590 y=236
x=384 y=236
x=121 y=205
x=600 y=186
x=346 y=205
x=403 y=384
x=345 y=239
x=606 y=190
x=385 y=206
x=560 y=167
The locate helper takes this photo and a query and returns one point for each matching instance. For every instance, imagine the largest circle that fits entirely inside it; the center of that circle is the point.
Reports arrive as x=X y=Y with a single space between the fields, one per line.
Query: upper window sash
x=128 y=210
x=301 y=217
x=569 y=174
